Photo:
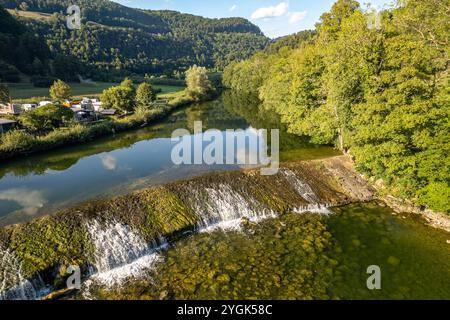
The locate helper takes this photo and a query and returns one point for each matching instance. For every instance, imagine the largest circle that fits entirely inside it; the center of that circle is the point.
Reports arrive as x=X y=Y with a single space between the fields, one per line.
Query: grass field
x=31 y=15
x=24 y=91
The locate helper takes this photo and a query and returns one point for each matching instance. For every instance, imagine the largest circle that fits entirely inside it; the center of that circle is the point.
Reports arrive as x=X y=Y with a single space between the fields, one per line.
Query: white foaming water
x=306 y=192
x=224 y=209
x=120 y=253
x=314 y=208
x=303 y=189
x=13 y=286
x=115 y=245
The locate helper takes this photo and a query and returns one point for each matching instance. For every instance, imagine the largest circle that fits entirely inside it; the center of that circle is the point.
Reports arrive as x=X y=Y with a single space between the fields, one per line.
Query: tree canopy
x=60 y=91
x=4 y=93
x=198 y=84
x=122 y=97
x=379 y=92
x=145 y=95
x=46 y=118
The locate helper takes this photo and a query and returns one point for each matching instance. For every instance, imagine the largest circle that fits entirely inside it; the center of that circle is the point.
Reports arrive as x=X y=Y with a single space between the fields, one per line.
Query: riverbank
x=437 y=220
x=46 y=247
x=18 y=143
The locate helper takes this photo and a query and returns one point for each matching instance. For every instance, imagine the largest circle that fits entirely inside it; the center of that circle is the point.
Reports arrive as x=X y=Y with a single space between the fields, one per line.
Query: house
x=29 y=106
x=84 y=104
x=98 y=105
x=11 y=108
x=44 y=103
x=6 y=125
x=83 y=115
x=108 y=112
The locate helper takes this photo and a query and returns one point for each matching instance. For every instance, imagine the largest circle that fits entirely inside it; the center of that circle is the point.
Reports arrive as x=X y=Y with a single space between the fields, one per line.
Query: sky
x=275 y=17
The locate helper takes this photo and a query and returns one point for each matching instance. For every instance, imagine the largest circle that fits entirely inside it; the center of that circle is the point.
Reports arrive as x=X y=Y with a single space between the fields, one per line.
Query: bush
x=16 y=141
x=46 y=118
x=436 y=196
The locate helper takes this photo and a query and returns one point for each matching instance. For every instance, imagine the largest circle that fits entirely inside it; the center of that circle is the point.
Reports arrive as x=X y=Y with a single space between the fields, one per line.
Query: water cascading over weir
x=13 y=286
x=114 y=239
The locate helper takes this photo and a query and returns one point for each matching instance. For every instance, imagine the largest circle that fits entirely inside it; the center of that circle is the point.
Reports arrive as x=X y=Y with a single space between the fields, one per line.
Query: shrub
x=16 y=141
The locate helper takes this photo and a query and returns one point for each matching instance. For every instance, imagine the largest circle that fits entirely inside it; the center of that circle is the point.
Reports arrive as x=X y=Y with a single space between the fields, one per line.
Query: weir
x=117 y=245
x=121 y=243
x=303 y=189
x=13 y=286
x=222 y=207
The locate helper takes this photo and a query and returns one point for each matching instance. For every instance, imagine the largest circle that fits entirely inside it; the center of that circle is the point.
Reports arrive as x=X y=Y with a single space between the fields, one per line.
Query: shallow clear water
x=296 y=256
x=41 y=184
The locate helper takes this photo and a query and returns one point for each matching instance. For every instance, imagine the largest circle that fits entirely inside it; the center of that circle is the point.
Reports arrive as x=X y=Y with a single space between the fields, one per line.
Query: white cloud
x=30 y=200
x=233 y=8
x=109 y=162
x=297 y=16
x=271 y=12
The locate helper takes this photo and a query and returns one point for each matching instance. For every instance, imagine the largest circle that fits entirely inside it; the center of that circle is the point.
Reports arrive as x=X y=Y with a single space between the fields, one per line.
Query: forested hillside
x=20 y=50
x=377 y=90
x=115 y=40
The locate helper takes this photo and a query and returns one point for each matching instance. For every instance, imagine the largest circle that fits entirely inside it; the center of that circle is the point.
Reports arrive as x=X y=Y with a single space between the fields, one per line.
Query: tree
x=127 y=83
x=380 y=93
x=122 y=97
x=60 y=91
x=46 y=118
x=4 y=93
x=198 y=84
x=145 y=95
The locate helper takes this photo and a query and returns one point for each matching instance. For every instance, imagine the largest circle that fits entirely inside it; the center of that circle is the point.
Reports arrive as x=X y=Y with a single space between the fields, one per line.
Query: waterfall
x=307 y=193
x=224 y=208
x=314 y=208
x=120 y=253
x=117 y=245
x=13 y=286
x=303 y=189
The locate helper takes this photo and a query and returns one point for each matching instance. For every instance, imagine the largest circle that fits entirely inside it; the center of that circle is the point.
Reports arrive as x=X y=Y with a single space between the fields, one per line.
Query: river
x=119 y=164
x=321 y=255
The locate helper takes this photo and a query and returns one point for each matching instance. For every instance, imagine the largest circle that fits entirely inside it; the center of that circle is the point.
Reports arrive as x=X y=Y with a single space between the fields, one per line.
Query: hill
x=115 y=40
x=20 y=50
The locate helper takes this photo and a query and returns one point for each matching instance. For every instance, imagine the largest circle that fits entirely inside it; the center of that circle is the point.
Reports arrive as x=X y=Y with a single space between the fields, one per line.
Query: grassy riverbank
x=18 y=143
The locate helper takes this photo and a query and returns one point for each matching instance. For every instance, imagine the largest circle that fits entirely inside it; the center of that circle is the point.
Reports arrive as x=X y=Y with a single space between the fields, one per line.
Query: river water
x=321 y=255
x=295 y=256
x=114 y=165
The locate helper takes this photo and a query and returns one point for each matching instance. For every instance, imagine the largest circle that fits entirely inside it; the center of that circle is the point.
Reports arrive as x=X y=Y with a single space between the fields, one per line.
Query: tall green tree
x=198 y=85
x=122 y=97
x=60 y=91
x=380 y=92
x=145 y=95
x=4 y=93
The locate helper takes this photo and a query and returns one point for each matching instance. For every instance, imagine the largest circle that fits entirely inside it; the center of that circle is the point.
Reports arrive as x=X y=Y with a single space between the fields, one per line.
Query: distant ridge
x=115 y=40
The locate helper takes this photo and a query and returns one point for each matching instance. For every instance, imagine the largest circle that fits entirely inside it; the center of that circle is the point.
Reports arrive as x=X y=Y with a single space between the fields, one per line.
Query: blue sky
x=274 y=17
